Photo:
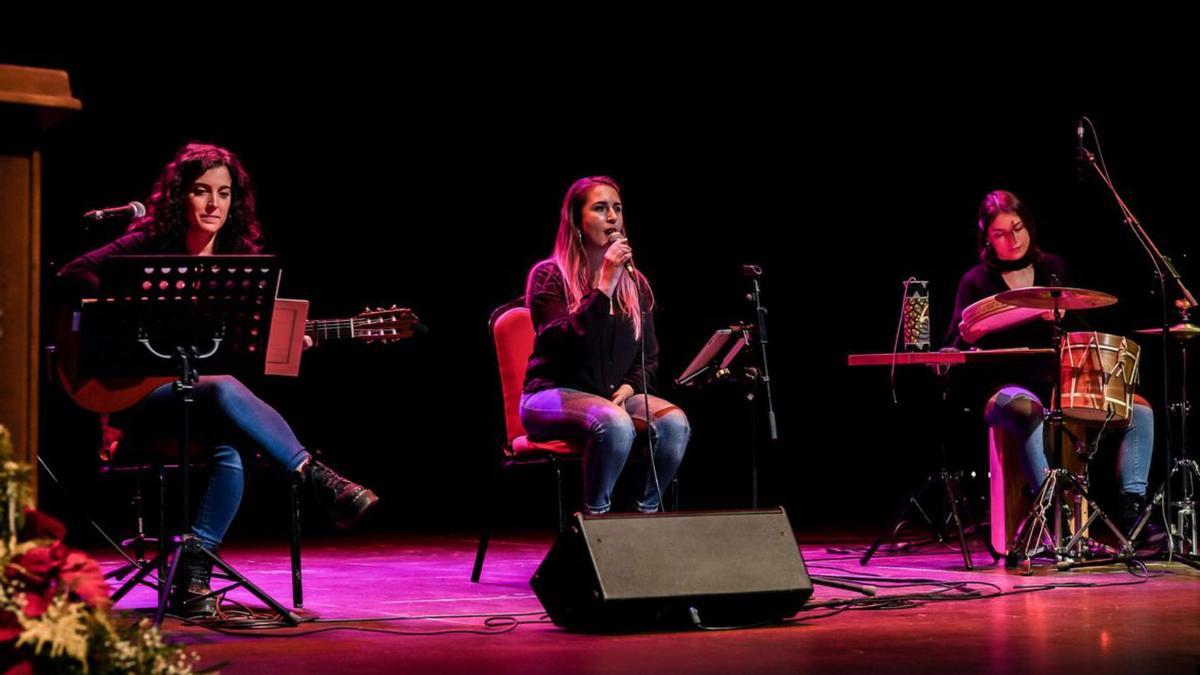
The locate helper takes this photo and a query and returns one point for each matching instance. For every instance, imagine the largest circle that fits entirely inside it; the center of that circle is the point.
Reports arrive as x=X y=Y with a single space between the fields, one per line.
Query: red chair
x=512 y=332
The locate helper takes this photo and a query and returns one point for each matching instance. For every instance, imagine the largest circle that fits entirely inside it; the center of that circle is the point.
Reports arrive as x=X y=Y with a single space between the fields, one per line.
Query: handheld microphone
x=615 y=235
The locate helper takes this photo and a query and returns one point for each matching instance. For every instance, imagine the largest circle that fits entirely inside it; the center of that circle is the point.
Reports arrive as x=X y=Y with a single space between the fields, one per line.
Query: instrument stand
x=750 y=381
x=1184 y=542
x=955 y=505
x=1163 y=268
x=1184 y=545
x=753 y=273
x=188 y=543
x=1037 y=534
x=1057 y=492
x=134 y=562
x=712 y=364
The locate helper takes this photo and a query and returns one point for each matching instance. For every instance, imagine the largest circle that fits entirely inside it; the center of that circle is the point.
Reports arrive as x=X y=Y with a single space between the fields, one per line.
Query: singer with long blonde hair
x=595 y=354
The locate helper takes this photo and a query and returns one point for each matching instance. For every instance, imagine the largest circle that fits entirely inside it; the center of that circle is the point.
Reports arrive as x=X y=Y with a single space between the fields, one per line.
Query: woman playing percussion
x=1010 y=259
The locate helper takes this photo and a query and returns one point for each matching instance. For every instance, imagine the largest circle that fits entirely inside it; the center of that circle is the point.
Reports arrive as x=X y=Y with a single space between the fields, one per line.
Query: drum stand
x=1184 y=541
x=956 y=506
x=1061 y=489
x=1062 y=495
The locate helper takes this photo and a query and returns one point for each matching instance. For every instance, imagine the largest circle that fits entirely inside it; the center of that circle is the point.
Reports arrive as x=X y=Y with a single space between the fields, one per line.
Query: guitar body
x=108 y=395
x=111 y=394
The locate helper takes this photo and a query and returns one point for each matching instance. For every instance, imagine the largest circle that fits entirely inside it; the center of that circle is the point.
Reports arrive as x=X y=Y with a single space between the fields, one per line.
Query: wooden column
x=31 y=100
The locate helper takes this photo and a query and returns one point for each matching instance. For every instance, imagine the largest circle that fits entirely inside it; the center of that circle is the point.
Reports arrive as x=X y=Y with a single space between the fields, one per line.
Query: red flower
x=35 y=604
x=39 y=525
x=36 y=566
x=84 y=578
x=47 y=569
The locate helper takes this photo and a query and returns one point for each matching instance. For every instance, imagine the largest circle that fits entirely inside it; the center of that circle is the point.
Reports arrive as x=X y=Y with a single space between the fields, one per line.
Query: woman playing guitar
x=203 y=204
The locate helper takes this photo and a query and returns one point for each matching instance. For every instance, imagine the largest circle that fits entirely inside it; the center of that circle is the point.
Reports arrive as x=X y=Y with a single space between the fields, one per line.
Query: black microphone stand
x=754 y=273
x=1163 y=268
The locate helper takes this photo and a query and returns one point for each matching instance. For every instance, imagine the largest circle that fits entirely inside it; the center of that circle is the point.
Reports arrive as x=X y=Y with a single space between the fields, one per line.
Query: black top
x=1035 y=373
x=984 y=280
x=589 y=349
x=81 y=277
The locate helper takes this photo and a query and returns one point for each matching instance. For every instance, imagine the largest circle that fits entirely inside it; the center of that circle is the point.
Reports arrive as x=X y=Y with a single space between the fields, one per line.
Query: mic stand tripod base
x=953 y=495
x=1184 y=545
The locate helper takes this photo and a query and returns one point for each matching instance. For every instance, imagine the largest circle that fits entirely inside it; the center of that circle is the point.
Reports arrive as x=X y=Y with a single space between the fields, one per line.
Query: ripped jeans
x=608 y=428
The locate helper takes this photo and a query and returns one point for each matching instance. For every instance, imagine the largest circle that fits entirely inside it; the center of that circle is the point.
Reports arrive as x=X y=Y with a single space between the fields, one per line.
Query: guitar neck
x=331 y=329
x=380 y=325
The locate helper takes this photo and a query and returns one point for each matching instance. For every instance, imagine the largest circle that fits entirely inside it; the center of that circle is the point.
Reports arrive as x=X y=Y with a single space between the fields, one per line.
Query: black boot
x=192 y=577
x=1132 y=505
x=346 y=500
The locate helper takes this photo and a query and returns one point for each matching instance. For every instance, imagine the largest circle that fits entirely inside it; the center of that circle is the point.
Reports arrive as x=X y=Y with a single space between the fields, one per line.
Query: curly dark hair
x=166 y=217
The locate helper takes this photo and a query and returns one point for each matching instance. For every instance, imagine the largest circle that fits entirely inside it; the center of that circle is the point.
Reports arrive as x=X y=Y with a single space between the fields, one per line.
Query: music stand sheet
x=711 y=351
x=179 y=301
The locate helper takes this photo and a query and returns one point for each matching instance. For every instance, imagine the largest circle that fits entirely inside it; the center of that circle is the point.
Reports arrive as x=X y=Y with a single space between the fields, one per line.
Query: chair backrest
x=512 y=332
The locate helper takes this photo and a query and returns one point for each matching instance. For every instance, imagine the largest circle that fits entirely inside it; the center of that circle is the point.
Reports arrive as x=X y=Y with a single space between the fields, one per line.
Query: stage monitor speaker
x=633 y=572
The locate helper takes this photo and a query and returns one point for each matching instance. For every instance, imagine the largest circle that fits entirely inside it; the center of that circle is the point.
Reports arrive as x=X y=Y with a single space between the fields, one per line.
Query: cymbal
x=1046 y=297
x=1182 y=331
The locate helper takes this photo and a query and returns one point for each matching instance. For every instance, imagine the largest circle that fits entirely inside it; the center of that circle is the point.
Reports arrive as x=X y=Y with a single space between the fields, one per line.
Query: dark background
x=386 y=181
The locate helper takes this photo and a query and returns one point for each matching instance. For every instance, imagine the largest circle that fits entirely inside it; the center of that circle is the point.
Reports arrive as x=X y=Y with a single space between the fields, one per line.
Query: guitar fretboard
x=360 y=327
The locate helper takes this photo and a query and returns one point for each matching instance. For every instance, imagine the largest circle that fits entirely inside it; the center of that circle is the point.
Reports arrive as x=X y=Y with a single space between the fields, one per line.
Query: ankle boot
x=1132 y=505
x=192 y=577
x=346 y=500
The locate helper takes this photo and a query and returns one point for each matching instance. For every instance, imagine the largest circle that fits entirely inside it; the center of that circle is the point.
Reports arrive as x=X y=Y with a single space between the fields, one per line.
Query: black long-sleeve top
x=592 y=349
x=1035 y=373
x=81 y=277
x=985 y=280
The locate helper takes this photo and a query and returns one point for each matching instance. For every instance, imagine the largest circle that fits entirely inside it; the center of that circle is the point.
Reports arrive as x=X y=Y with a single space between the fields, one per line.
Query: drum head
x=989 y=314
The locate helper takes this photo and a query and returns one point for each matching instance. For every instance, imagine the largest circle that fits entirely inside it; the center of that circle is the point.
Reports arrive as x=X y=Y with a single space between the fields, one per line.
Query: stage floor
x=1099 y=620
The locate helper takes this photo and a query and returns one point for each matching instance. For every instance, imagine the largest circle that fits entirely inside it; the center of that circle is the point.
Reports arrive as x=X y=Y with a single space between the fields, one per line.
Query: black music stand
x=713 y=360
x=159 y=316
x=711 y=365
x=716 y=356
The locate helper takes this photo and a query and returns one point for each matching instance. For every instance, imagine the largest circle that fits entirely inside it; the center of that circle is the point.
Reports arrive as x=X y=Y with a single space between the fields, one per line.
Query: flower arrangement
x=54 y=600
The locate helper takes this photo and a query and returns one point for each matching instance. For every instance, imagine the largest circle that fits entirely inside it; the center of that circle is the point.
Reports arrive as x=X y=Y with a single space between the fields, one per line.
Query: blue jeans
x=1019 y=411
x=609 y=431
x=226 y=416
